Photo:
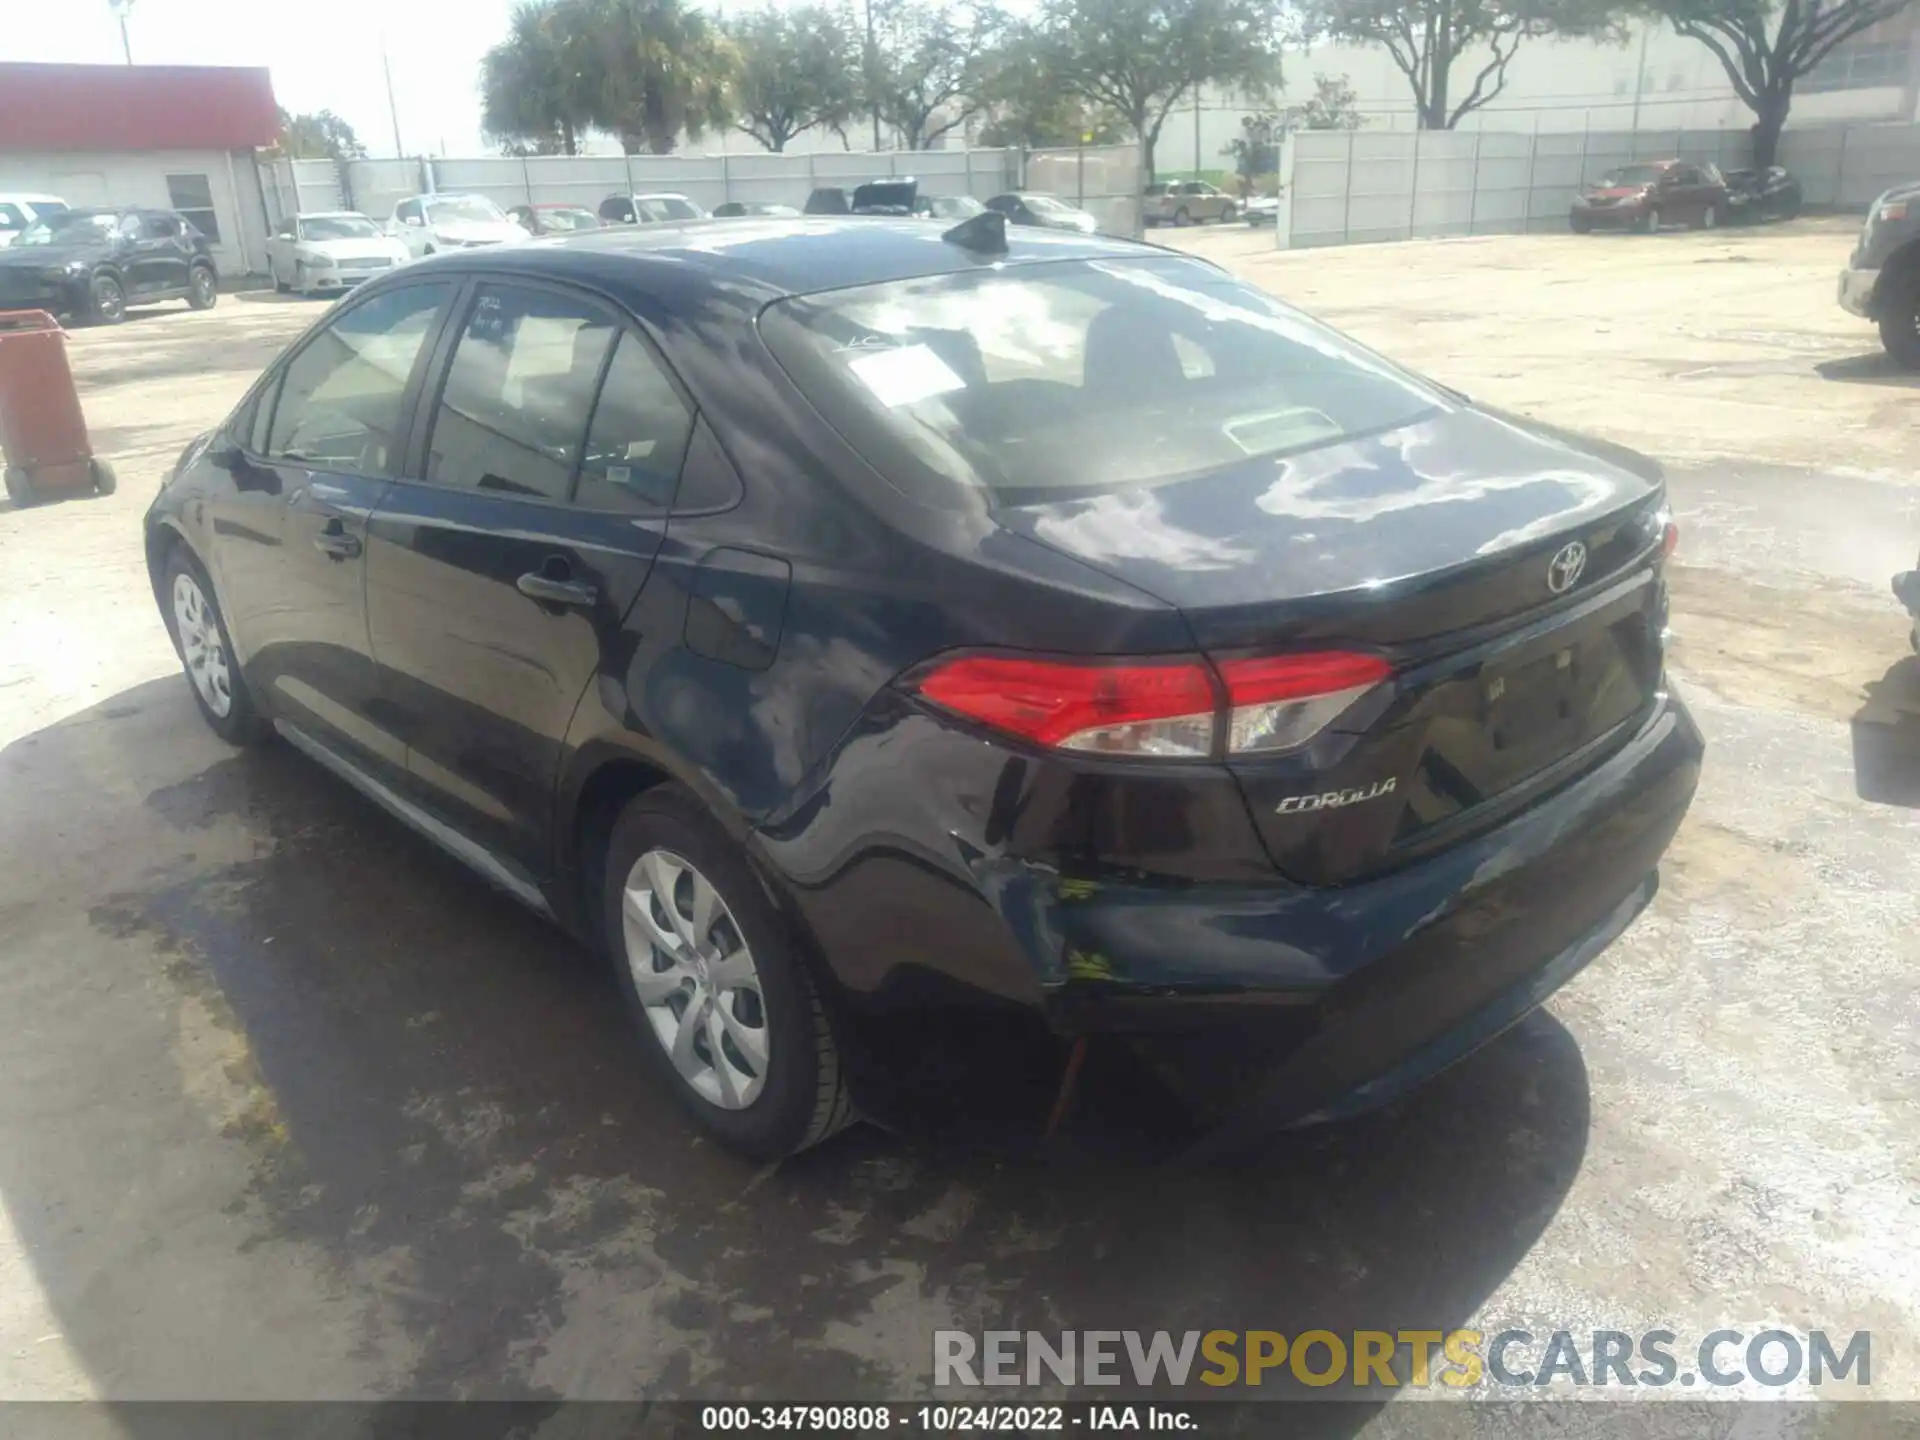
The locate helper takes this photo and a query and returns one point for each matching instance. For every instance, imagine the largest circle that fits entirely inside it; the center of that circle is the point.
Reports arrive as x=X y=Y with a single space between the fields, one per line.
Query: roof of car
x=781 y=256
x=331 y=215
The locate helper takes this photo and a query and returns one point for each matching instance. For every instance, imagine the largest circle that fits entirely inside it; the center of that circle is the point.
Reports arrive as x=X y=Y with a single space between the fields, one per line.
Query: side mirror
x=224 y=456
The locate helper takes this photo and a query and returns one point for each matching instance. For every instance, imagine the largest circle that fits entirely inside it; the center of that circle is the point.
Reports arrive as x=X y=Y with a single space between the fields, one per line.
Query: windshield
x=1633 y=175
x=1079 y=375
x=571 y=217
x=954 y=207
x=69 y=227
x=337 y=227
x=465 y=210
x=667 y=207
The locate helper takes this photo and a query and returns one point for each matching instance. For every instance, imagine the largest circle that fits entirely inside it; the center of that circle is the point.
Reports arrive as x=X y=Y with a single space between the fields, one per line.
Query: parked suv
x=660 y=208
x=1187 y=202
x=93 y=264
x=1882 y=279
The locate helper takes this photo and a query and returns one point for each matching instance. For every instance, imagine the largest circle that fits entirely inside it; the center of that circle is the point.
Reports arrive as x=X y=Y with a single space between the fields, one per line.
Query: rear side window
x=513 y=414
x=1048 y=380
x=639 y=435
x=341 y=396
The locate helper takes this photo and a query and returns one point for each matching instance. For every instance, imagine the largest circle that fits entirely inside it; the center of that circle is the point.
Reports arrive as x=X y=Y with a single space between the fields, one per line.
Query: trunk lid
x=1443 y=546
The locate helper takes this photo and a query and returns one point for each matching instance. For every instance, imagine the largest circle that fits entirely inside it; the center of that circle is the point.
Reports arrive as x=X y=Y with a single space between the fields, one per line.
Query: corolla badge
x=1565 y=567
x=1334 y=799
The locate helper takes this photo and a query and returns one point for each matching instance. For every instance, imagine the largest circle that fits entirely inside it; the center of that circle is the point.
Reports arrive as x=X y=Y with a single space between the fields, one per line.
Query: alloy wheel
x=202 y=288
x=201 y=646
x=109 y=301
x=695 y=978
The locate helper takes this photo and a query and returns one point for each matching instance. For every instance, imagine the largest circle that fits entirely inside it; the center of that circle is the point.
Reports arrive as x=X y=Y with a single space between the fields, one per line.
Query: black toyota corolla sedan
x=830 y=619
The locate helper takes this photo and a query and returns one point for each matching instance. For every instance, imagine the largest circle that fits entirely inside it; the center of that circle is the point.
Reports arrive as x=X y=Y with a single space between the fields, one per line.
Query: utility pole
x=873 y=76
x=120 y=9
x=1639 y=82
x=393 y=110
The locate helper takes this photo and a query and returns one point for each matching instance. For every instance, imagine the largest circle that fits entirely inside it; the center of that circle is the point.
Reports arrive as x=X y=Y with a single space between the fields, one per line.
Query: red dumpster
x=43 y=435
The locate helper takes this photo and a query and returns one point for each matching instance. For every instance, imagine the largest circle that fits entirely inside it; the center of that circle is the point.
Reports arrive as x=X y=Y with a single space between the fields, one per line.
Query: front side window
x=513 y=414
x=160 y=227
x=341 y=397
x=569 y=218
x=192 y=196
x=407 y=212
x=1080 y=375
x=12 y=218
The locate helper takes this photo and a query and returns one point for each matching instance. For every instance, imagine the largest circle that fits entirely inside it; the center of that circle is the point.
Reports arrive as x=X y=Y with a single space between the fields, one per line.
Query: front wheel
x=1650 y=222
x=19 y=489
x=105 y=482
x=202 y=288
x=1581 y=225
x=727 y=1012
x=1900 y=328
x=200 y=635
x=1227 y=214
x=1182 y=216
x=1710 y=217
x=106 y=301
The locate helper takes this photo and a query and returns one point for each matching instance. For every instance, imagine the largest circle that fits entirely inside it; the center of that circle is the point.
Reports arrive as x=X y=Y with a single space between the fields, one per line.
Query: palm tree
x=533 y=85
x=657 y=70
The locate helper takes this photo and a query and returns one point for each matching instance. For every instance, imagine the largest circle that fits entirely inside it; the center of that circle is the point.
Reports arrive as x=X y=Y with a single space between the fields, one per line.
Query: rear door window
x=639 y=435
x=513 y=413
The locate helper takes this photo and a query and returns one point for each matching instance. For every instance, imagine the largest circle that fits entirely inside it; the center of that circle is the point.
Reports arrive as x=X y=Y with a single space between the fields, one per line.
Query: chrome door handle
x=549 y=590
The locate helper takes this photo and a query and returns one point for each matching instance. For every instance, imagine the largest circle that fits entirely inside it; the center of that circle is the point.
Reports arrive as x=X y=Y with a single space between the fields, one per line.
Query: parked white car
x=429 y=223
x=17 y=212
x=332 y=250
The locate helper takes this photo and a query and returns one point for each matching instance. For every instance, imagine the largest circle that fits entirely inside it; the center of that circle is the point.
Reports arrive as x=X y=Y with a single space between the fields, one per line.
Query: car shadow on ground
x=1878 y=368
x=258 y=1030
x=1886 y=738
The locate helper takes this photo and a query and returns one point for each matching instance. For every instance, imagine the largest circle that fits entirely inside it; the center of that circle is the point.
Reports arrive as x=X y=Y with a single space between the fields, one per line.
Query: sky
x=324 y=54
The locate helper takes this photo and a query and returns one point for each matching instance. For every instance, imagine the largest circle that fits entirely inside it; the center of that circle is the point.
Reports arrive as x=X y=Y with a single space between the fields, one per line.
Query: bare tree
x=1427 y=37
x=1765 y=46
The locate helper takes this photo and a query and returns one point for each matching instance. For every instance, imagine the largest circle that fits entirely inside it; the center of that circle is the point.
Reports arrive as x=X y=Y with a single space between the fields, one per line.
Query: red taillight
x=1142 y=707
x=1669 y=539
x=1169 y=708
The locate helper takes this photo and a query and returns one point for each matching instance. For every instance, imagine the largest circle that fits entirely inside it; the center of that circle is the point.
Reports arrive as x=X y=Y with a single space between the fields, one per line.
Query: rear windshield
x=1063 y=378
x=1633 y=175
x=660 y=208
x=337 y=227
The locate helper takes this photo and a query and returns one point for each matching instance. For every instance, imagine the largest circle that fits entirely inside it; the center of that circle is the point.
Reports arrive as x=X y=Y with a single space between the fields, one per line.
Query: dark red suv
x=1651 y=193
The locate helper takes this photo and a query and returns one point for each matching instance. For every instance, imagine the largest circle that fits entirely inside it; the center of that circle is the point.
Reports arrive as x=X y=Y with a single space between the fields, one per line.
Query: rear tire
x=201 y=640
x=1650 y=222
x=759 y=1068
x=1228 y=215
x=1182 y=216
x=105 y=482
x=1900 y=326
x=19 y=488
x=1710 y=217
x=1581 y=226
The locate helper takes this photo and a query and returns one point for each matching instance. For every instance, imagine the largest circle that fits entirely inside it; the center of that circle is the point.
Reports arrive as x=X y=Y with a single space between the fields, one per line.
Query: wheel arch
x=607 y=775
x=1900 y=275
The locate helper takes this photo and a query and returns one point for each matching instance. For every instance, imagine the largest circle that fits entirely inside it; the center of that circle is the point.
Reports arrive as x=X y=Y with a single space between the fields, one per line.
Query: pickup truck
x=1882 y=280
